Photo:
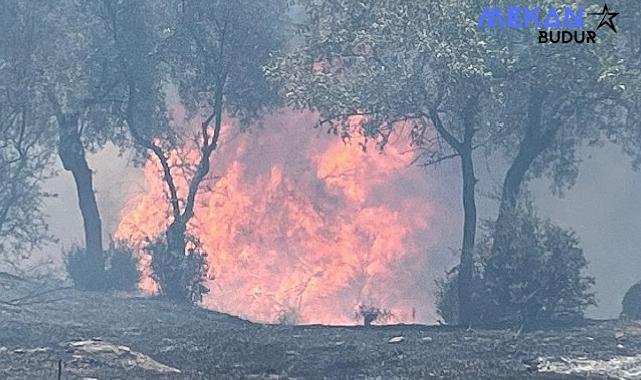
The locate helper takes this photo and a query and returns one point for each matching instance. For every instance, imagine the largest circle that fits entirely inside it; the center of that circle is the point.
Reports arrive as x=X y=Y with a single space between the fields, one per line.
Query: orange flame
x=300 y=224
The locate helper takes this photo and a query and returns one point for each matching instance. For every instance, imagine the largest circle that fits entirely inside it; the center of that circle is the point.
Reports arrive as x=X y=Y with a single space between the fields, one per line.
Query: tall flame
x=302 y=225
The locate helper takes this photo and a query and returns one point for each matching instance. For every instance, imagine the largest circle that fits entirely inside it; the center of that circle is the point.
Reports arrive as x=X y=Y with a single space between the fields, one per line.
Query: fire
x=300 y=224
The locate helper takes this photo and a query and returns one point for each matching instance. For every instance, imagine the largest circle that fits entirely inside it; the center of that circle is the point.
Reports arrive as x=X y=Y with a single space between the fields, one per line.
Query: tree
x=72 y=76
x=213 y=53
x=623 y=73
x=561 y=97
x=429 y=65
x=421 y=65
x=25 y=155
x=24 y=164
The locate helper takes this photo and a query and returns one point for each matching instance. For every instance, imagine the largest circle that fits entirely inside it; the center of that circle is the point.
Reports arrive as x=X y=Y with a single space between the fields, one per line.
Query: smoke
x=604 y=208
x=114 y=179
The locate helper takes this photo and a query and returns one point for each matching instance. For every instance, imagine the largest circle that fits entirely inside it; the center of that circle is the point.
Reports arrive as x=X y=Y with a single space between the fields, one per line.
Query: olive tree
x=25 y=156
x=72 y=76
x=212 y=52
x=417 y=66
x=460 y=88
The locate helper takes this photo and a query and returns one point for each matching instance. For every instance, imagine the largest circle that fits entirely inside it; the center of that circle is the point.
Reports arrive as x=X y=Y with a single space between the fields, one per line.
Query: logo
x=554 y=25
x=607 y=18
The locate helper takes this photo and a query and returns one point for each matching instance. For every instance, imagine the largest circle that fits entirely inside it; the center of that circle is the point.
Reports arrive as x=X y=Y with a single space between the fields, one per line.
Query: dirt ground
x=75 y=335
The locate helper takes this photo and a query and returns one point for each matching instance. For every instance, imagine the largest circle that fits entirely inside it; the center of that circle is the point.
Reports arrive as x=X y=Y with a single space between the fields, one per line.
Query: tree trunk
x=466 y=267
x=533 y=143
x=173 y=270
x=464 y=150
x=72 y=155
x=176 y=238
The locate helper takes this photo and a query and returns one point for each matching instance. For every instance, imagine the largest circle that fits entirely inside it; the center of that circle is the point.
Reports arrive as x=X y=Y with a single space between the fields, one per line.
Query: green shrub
x=447 y=299
x=446 y=293
x=122 y=267
x=538 y=279
x=121 y=272
x=81 y=271
x=632 y=303
x=180 y=278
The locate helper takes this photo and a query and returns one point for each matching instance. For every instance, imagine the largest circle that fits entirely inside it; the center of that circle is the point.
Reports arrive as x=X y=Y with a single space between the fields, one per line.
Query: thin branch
x=434 y=117
x=21 y=301
x=157 y=151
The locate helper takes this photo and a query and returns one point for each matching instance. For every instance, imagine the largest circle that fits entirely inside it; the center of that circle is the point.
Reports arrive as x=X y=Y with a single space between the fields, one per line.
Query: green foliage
x=82 y=271
x=25 y=152
x=394 y=62
x=122 y=267
x=121 y=272
x=631 y=305
x=622 y=73
x=24 y=166
x=68 y=64
x=213 y=41
x=447 y=299
x=179 y=278
x=539 y=279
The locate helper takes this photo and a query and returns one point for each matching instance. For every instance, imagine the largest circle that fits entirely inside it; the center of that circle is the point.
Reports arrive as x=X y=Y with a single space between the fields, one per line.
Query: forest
x=286 y=154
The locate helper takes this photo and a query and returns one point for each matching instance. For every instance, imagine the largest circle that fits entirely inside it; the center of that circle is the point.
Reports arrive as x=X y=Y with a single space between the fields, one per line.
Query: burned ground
x=106 y=336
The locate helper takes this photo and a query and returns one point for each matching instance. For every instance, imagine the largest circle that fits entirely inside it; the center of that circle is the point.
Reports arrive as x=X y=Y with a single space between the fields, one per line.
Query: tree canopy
x=460 y=88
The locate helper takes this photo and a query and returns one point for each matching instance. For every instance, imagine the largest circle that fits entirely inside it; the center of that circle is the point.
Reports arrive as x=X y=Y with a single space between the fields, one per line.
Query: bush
x=447 y=299
x=632 y=303
x=537 y=280
x=81 y=271
x=287 y=317
x=122 y=267
x=121 y=272
x=446 y=294
x=371 y=314
x=179 y=278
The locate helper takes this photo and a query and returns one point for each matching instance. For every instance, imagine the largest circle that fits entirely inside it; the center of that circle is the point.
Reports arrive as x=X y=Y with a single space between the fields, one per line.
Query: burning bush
x=538 y=280
x=121 y=272
x=287 y=317
x=180 y=278
x=371 y=314
x=632 y=303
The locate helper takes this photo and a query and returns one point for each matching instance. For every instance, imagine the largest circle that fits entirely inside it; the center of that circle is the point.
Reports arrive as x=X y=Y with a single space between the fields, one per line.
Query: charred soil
x=45 y=331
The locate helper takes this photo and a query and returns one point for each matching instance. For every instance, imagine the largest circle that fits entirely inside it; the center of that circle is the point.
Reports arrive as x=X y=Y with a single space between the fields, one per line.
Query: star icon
x=607 y=18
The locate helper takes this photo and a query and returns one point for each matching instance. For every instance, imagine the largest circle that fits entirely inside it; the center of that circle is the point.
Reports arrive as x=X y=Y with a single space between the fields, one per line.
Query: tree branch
x=156 y=150
x=434 y=117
